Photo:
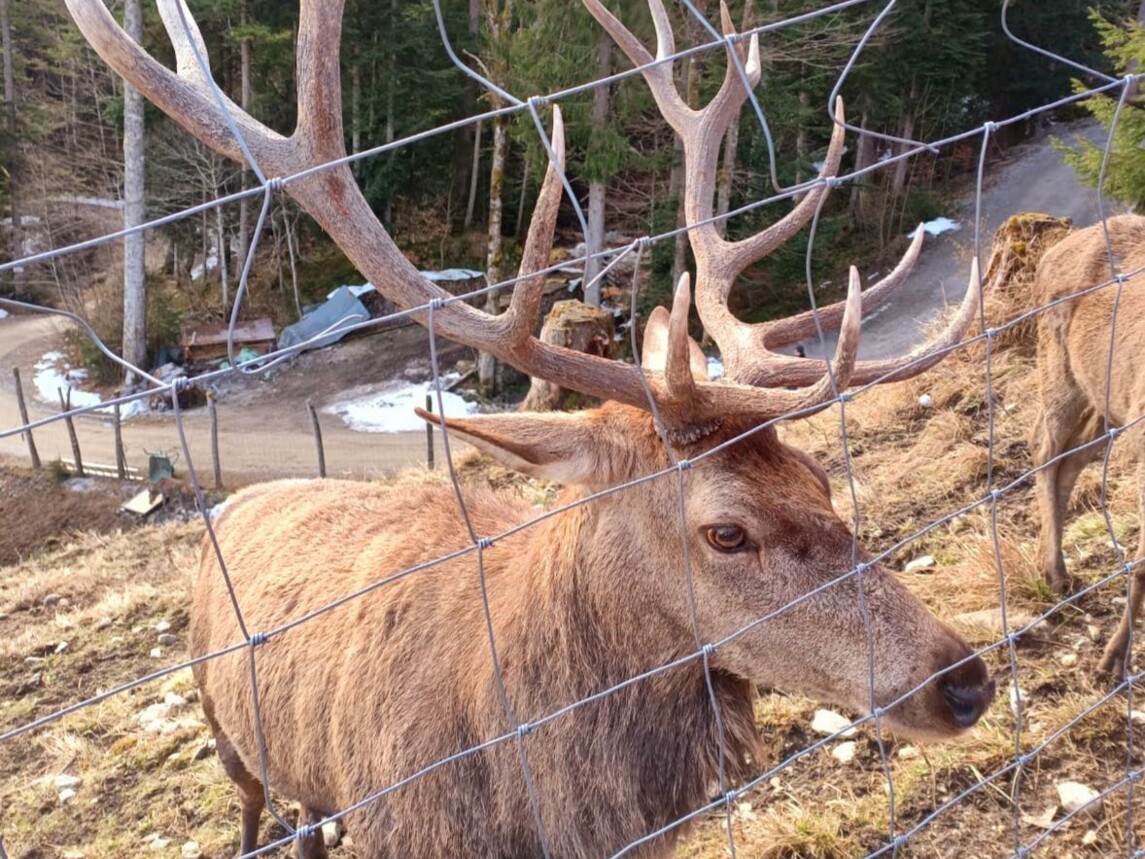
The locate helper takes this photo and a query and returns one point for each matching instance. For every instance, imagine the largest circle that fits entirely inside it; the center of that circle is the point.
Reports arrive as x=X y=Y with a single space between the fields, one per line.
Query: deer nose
x=968 y=692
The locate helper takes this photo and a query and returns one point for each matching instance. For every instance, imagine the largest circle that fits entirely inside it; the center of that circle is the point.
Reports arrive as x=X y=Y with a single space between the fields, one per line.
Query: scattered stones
x=921 y=564
x=171 y=699
x=990 y=620
x=166 y=639
x=67 y=796
x=51 y=599
x=828 y=722
x=73 y=854
x=1075 y=795
x=1090 y=837
x=156 y=653
x=63 y=782
x=103 y=623
x=908 y=753
x=191 y=850
x=926 y=401
x=162 y=718
x=1094 y=632
x=33 y=660
x=844 y=753
x=162 y=626
x=1137 y=716
x=1068 y=660
x=1045 y=820
x=61 y=647
x=204 y=751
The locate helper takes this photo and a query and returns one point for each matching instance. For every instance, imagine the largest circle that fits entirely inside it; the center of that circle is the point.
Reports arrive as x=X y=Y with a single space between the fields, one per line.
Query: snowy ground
x=53 y=374
x=391 y=408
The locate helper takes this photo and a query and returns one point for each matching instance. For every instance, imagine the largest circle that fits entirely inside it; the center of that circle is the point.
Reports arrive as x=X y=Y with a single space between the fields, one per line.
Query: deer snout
x=967 y=692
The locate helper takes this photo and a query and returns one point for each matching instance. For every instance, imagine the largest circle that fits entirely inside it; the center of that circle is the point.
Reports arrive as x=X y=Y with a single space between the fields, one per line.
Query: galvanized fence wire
x=898 y=832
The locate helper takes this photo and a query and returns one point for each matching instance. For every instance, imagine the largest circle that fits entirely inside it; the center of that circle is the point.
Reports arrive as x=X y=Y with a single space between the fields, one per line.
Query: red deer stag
x=402 y=677
x=1073 y=365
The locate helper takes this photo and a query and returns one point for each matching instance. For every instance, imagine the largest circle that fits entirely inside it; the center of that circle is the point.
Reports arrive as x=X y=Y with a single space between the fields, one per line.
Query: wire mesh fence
x=707 y=643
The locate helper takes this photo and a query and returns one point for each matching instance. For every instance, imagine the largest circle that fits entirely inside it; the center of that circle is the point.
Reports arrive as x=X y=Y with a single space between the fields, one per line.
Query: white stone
x=156 y=653
x=1068 y=660
x=61 y=647
x=73 y=854
x=103 y=623
x=920 y=564
x=844 y=753
x=1074 y=795
x=926 y=401
x=62 y=782
x=908 y=753
x=158 y=843
x=1138 y=716
x=828 y=722
x=191 y=850
x=1094 y=632
x=67 y=796
x=172 y=699
x=163 y=626
x=1090 y=837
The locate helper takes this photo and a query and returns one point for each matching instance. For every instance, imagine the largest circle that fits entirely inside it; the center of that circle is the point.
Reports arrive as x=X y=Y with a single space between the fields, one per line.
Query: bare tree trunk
x=523 y=197
x=864 y=158
x=726 y=177
x=244 y=181
x=474 y=175
x=597 y=189
x=898 y=178
x=221 y=238
x=293 y=267
x=134 y=208
x=801 y=134
x=486 y=363
x=13 y=166
x=391 y=78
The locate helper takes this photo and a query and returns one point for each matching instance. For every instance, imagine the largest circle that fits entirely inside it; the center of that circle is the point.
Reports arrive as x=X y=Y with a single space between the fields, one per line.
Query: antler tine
x=782 y=332
x=525 y=304
x=680 y=381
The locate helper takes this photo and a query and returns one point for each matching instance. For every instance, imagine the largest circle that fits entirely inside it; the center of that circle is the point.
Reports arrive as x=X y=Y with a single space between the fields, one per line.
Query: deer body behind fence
x=1075 y=403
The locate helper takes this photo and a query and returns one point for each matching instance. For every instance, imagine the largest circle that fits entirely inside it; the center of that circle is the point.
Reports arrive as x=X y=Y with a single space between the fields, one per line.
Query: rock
x=204 y=751
x=73 y=854
x=63 y=782
x=1045 y=820
x=920 y=564
x=1068 y=660
x=103 y=623
x=156 y=653
x=33 y=660
x=926 y=401
x=162 y=626
x=158 y=843
x=66 y=796
x=51 y=599
x=1137 y=716
x=191 y=850
x=908 y=753
x=828 y=722
x=1090 y=837
x=160 y=719
x=844 y=753
x=166 y=639
x=1094 y=632
x=331 y=833
x=172 y=699
x=1075 y=795
x=61 y=647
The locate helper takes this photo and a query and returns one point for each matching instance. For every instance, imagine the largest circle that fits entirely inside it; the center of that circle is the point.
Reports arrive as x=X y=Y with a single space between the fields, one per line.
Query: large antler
x=748 y=351
x=331 y=196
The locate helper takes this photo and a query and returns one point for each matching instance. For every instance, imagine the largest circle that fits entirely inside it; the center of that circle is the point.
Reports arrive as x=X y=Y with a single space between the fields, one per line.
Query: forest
x=79 y=157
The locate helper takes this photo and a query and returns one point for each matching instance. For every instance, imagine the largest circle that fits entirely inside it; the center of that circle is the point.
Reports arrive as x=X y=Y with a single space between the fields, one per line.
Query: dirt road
x=264 y=428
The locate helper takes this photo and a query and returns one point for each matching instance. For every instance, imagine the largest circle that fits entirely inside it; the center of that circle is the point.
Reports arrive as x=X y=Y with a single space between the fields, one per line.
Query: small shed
x=203 y=343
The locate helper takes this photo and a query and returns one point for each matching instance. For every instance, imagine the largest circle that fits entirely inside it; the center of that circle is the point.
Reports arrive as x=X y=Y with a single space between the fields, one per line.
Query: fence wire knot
x=861 y=567
x=684 y=464
x=307 y=830
x=436 y=303
x=484 y=543
x=1024 y=760
x=990 y=126
x=524 y=729
x=275 y=184
x=257 y=638
x=899 y=842
x=846 y=396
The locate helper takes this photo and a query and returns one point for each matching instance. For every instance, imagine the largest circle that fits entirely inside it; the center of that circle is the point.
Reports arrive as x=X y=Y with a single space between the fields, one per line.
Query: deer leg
x=312 y=846
x=252 y=800
x=1115 y=659
x=1056 y=431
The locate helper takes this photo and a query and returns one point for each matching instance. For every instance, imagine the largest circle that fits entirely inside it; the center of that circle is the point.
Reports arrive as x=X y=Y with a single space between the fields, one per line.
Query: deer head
x=760 y=529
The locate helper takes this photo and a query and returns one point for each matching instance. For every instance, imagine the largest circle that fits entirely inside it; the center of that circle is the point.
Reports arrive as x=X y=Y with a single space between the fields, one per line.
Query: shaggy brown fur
x=1073 y=365
x=392 y=682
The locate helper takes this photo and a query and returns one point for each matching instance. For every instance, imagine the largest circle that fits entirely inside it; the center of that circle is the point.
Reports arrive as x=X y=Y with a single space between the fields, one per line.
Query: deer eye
x=726 y=538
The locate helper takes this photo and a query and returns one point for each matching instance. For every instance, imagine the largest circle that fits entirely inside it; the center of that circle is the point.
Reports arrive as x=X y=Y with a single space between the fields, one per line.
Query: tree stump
x=577 y=326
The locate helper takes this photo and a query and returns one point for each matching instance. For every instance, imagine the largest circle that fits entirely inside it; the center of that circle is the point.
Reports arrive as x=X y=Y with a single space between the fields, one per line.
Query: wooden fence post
x=212 y=413
x=32 y=452
x=66 y=405
x=120 y=456
x=429 y=433
x=317 y=438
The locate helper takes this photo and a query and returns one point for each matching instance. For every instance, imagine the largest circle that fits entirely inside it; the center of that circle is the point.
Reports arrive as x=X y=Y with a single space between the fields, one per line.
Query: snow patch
x=3 y=313
x=937 y=227
x=52 y=375
x=715 y=368
x=391 y=409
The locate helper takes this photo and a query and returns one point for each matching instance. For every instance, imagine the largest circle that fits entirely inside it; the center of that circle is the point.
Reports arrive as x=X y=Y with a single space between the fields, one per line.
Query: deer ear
x=560 y=446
